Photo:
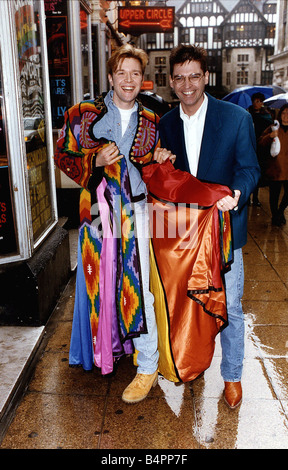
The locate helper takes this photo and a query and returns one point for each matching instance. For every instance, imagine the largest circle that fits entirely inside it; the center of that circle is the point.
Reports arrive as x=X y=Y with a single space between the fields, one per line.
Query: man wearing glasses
x=215 y=141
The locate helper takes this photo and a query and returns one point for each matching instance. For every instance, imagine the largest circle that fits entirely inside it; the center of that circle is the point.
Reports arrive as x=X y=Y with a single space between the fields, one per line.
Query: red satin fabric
x=179 y=186
x=187 y=251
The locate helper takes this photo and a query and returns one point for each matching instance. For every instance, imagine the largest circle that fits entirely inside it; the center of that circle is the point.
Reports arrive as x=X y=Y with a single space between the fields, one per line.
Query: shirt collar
x=110 y=103
x=108 y=98
x=199 y=113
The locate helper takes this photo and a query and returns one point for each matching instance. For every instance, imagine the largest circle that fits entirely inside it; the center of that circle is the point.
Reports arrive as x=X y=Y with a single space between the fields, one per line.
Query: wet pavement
x=67 y=408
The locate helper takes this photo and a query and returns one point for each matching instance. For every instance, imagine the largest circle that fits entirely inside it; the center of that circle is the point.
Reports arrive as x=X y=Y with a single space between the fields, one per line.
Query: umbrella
x=154 y=102
x=242 y=96
x=277 y=101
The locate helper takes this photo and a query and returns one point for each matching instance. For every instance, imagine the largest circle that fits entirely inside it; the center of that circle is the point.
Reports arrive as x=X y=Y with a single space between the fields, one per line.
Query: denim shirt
x=109 y=127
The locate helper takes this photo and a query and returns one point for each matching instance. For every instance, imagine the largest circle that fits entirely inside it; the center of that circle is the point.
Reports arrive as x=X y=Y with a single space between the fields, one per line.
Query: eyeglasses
x=193 y=78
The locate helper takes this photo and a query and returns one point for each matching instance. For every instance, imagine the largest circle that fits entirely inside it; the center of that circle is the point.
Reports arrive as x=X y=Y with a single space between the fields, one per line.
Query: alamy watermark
x=163 y=220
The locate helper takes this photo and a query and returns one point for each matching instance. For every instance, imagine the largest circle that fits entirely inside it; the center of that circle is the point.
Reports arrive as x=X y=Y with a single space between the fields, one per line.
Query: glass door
x=32 y=86
x=8 y=240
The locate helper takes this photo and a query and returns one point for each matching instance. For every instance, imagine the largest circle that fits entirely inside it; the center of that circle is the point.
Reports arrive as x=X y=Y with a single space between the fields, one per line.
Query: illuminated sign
x=147 y=85
x=146 y=19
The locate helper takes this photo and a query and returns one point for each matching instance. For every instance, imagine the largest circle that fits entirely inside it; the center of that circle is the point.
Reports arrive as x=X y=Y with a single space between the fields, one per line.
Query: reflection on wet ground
x=67 y=408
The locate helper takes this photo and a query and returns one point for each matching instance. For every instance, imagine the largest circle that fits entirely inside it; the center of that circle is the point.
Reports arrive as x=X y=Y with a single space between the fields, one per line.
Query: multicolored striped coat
x=110 y=187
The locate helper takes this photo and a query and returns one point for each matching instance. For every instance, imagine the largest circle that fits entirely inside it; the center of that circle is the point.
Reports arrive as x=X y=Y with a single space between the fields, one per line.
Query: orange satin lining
x=184 y=264
x=185 y=234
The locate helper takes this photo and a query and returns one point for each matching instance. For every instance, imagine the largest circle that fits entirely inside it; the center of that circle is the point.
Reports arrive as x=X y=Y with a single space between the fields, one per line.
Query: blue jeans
x=146 y=344
x=232 y=337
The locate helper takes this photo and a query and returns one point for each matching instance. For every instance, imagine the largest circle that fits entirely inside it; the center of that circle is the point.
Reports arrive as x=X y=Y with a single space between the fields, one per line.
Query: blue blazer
x=227 y=155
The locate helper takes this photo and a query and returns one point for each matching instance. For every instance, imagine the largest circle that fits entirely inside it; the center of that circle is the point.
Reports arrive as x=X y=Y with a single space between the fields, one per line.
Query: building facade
x=248 y=43
x=279 y=60
x=201 y=24
x=239 y=37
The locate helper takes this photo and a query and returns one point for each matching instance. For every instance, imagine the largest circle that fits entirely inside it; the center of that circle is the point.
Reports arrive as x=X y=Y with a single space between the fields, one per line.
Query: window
x=269 y=8
x=242 y=77
x=160 y=74
x=201 y=35
x=168 y=40
x=59 y=62
x=160 y=61
x=84 y=49
x=212 y=79
x=217 y=34
x=8 y=242
x=243 y=58
x=270 y=32
x=160 y=79
x=184 y=36
x=228 y=78
x=32 y=91
x=245 y=31
x=151 y=41
x=266 y=77
x=206 y=7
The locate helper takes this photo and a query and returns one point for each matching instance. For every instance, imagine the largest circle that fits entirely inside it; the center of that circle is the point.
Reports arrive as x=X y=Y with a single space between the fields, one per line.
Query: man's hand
x=273 y=134
x=161 y=155
x=108 y=155
x=228 y=203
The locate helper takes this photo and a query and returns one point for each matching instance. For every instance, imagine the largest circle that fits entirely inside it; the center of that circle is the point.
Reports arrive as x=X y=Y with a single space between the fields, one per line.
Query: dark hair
x=285 y=106
x=184 y=53
x=258 y=95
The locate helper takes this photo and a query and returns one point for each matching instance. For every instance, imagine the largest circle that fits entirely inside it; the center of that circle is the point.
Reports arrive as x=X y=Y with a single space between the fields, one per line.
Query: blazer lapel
x=178 y=131
x=210 y=139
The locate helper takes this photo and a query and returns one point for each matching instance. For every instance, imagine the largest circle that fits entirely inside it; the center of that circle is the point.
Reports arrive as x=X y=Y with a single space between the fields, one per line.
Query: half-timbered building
x=238 y=36
x=248 y=41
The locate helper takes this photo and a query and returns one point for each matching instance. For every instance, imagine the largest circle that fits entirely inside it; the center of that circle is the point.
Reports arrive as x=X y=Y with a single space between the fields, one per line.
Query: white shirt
x=125 y=117
x=193 y=132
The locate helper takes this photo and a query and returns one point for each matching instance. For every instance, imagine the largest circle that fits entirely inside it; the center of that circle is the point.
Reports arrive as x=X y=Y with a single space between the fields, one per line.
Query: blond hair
x=124 y=52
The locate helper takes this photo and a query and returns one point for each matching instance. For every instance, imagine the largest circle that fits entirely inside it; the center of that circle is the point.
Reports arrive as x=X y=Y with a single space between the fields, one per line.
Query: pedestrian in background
x=215 y=141
x=277 y=167
x=261 y=119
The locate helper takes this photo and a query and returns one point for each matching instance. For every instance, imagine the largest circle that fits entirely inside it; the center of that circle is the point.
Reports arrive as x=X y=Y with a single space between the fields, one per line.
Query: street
x=67 y=408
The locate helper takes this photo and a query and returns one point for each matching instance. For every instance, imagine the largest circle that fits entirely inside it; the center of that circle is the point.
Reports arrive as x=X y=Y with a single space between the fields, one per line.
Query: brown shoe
x=140 y=387
x=233 y=394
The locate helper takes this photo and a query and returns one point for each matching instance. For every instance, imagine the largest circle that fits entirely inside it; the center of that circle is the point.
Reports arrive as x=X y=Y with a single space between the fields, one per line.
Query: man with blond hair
x=103 y=146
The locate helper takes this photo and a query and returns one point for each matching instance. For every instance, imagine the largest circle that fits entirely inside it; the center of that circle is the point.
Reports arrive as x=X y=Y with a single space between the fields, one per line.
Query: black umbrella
x=155 y=102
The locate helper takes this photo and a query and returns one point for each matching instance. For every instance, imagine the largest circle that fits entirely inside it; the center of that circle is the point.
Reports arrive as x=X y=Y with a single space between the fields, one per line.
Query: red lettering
x=129 y=14
x=49 y=6
x=139 y=15
x=162 y=18
x=159 y=14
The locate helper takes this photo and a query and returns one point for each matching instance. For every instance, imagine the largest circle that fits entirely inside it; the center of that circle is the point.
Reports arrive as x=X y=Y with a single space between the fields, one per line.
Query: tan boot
x=139 y=388
x=233 y=394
